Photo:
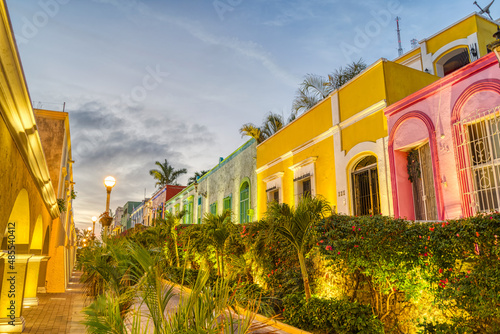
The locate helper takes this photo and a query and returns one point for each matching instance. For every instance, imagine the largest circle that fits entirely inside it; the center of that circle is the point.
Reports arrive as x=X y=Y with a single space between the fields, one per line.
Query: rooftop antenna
x=414 y=43
x=485 y=9
x=400 y=49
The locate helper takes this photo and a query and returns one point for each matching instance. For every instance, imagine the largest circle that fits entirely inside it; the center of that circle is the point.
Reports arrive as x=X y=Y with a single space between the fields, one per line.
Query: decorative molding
x=298 y=149
x=363 y=114
x=303 y=163
x=273 y=177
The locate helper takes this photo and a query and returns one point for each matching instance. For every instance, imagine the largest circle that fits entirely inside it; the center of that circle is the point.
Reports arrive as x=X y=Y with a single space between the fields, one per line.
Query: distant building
x=128 y=208
x=158 y=200
x=137 y=216
x=116 y=225
x=230 y=185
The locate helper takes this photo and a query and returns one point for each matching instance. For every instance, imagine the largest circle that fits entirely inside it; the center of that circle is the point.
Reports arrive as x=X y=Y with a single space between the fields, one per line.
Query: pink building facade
x=446 y=139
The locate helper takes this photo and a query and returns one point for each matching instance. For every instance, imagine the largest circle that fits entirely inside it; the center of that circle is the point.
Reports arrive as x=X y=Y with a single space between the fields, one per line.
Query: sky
x=149 y=80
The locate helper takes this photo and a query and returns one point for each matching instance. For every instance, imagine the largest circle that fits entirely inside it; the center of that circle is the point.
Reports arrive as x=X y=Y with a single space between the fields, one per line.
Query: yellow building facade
x=37 y=241
x=317 y=152
x=453 y=47
x=338 y=148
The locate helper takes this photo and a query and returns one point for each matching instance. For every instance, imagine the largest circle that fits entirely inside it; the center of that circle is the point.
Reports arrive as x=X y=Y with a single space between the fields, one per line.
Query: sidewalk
x=57 y=313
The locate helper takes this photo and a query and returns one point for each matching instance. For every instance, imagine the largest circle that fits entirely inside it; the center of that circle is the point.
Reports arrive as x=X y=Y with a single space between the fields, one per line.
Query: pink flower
x=328 y=248
x=338 y=253
x=354 y=228
x=356 y=246
x=458 y=235
x=431 y=229
x=440 y=270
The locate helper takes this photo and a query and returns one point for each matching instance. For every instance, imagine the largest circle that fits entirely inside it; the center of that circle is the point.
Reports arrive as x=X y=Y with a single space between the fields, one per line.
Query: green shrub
x=330 y=315
x=175 y=275
x=455 y=262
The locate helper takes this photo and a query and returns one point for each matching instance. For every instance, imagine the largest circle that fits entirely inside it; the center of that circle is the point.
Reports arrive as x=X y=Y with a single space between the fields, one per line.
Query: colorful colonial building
x=230 y=185
x=449 y=134
x=338 y=148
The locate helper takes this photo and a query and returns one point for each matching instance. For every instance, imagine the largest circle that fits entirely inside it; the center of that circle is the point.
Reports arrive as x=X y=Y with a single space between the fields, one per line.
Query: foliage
x=341 y=76
x=73 y=194
x=315 y=88
x=272 y=123
x=196 y=176
x=217 y=229
x=205 y=310
x=295 y=225
x=61 y=204
x=413 y=166
x=397 y=261
x=166 y=174
x=329 y=315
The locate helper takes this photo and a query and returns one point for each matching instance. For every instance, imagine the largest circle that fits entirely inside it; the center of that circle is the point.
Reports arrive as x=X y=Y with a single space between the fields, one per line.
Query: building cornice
x=17 y=112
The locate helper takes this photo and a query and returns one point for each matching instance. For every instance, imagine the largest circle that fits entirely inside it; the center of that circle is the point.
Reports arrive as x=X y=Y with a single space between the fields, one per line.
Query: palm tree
x=166 y=174
x=296 y=226
x=272 y=123
x=172 y=221
x=315 y=88
x=196 y=176
x=217 y=229
x=342 y=75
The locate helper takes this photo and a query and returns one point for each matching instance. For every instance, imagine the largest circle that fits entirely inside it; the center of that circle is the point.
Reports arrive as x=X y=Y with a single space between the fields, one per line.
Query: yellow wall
x=458 y=31
x=362 y=92
x=324 y=175
x=306 y=127
x=367 y=129
x=485 y=30
x=408 y=55
x=401 y=81
x=386 y=80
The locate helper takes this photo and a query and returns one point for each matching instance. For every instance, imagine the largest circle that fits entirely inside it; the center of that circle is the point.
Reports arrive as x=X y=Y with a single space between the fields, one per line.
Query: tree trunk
x=305 y=277
x=176 y=248
x=218 y=261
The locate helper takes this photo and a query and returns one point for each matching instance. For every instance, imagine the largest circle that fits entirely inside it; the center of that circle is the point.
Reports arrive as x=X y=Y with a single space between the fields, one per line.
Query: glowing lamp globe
x=94 y=219
x=109 y=182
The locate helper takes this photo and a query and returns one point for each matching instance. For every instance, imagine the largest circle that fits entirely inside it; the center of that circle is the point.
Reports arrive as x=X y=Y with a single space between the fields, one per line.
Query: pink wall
x=429 y=115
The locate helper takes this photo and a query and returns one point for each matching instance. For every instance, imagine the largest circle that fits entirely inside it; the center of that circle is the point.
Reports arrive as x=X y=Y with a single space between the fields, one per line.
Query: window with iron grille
x=366 y=198
x=483 y=141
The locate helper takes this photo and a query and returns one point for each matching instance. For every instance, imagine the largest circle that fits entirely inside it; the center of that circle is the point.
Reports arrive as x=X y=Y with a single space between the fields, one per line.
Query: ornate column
x=33 y=271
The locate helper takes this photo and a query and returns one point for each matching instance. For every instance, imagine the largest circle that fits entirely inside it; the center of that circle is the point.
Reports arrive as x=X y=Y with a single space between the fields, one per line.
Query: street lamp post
x=495 y=45
x=109 y=183
x=94 y=219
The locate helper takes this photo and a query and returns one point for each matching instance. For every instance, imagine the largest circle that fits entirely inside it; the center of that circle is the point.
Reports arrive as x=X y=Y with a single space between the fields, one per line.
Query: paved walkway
x=57 y=313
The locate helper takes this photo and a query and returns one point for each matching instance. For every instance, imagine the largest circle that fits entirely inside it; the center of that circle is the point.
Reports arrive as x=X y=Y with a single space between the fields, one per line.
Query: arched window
x=244 y=202
x=452 y=61
x=365 y=187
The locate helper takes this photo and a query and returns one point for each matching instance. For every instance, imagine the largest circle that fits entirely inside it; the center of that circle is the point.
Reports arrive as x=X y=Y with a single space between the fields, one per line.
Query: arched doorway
x=15 y=244
x=364 y=177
